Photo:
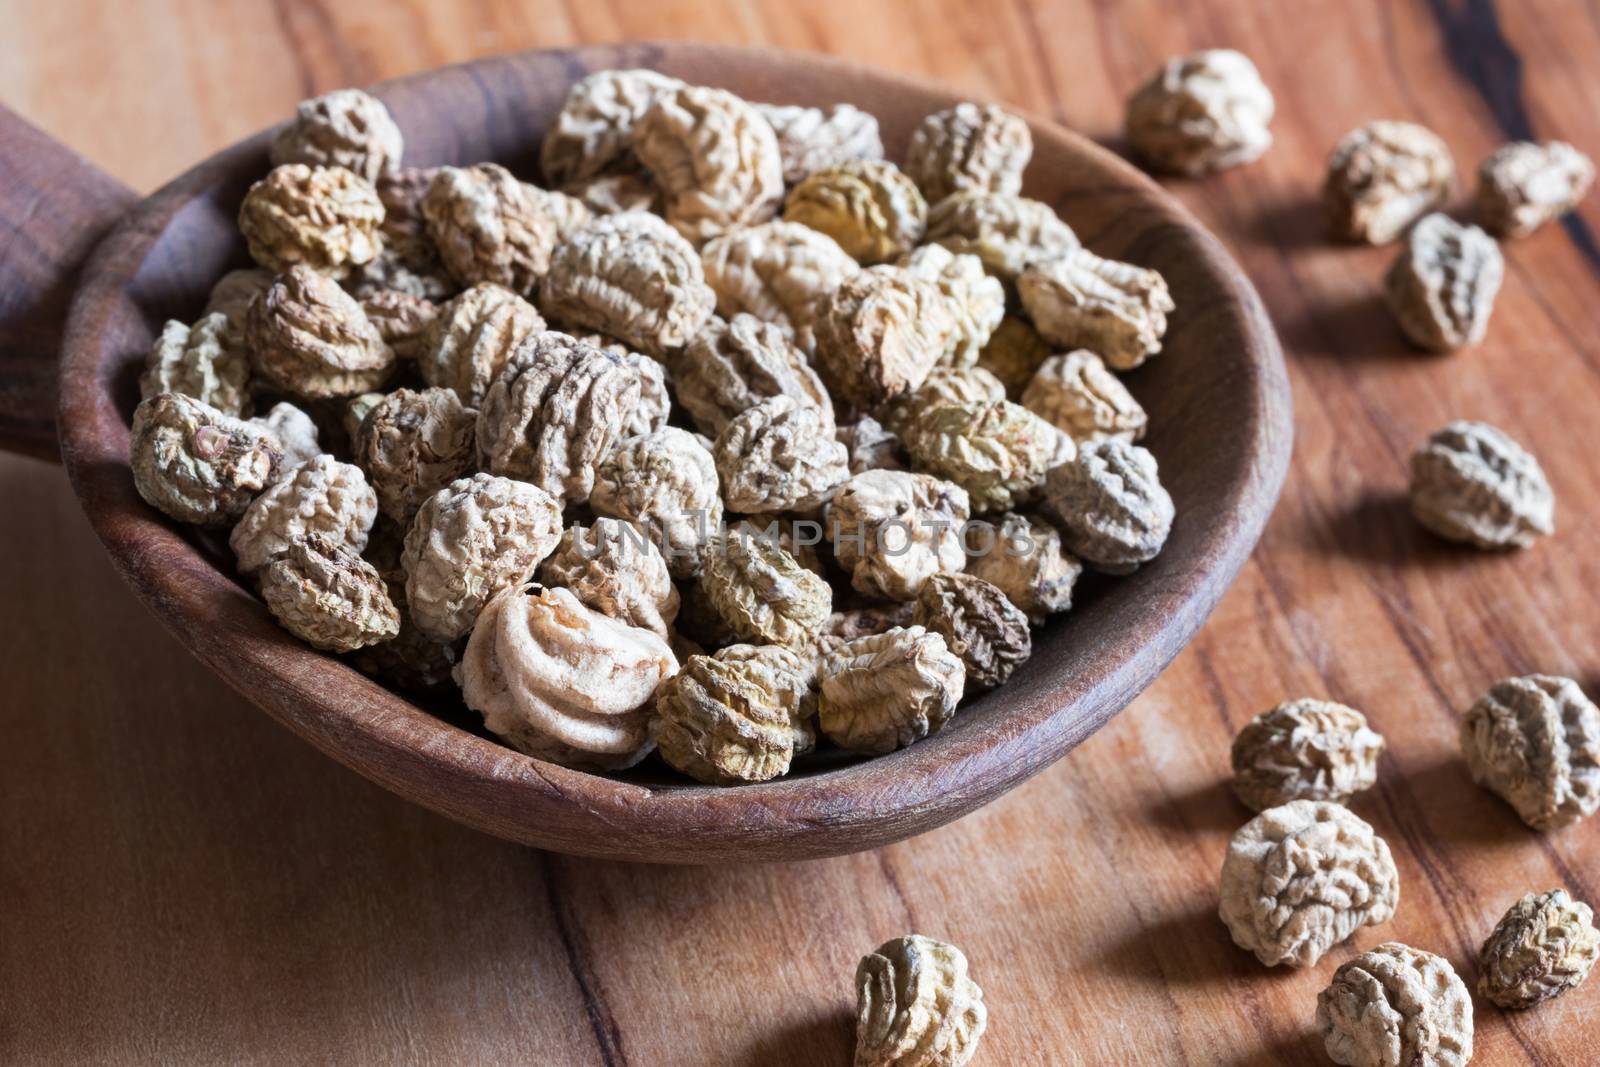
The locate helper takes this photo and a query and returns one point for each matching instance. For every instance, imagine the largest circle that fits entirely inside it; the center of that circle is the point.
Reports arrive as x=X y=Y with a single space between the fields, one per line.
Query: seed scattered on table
x=1202 y=112
x=1442 y=286
x=1305 y=750
x=1396 y=1005
x=1544 y=946
x=1302 y=877
x=916 y=1004
x=1535 y=741
x=1524 y=185
x=1384 y=176
x=1472 y=483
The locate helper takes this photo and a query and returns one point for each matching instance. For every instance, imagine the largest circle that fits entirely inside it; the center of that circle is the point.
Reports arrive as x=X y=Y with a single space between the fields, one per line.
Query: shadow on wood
x=823 y=1041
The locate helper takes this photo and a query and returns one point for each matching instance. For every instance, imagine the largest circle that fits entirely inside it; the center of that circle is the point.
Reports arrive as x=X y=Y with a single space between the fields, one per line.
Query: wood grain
x=184 y=882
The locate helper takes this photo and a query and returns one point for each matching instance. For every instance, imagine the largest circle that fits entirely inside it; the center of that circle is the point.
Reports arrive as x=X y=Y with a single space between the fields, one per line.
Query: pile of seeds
x=788 y=445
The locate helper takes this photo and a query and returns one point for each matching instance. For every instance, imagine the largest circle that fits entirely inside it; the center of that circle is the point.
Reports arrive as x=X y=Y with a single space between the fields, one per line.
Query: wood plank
x=184 y=882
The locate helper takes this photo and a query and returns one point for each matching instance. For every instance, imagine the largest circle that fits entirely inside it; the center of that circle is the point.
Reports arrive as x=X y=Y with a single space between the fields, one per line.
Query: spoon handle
x=54 y=207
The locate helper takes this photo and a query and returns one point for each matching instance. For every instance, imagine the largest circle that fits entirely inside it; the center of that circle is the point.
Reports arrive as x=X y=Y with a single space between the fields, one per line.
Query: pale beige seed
x=878 y=335
x=763 y=593
x=472 y=337
x=612 y=567
x=633 y=277
x=893 y=530
x=1024 y=560
x=666 y=484
x=206 y=361
x=592 y=135
x=413 y=443
x=779 y=455
x=1079 y=300
x=489 y=227
x=1303 y=877
x=470 y=541
x=734 y=717
x=309 y=338
x=1442 y=286
x=916 y=1004
x=731 y=366
x=1384 y=176
x=1472 y=483
x=562 y=682
x=1202 y=112
x=324 y=593
x=568 y=214
x=1110 y=505
x=714 y=157
x=977 y=300
x=1396 y=1005
x=345 y=128
x=324 y=217
x=969 y=146
x=811 y=138
x=1535 y=742
x=232 y=296
x=321 y=498
x=556 y=409
x=1077 y=393
x=197 y=464
x=296 y=433
x=1524 y=185
x=780 y=272
x=1304 y=750
x=1007 y=232
x=999 y=452
x=889 y=690
x=943 y=385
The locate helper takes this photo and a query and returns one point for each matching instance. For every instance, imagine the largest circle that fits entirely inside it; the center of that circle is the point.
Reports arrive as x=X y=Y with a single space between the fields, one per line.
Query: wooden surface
x=182 y=881
x=1218 y=402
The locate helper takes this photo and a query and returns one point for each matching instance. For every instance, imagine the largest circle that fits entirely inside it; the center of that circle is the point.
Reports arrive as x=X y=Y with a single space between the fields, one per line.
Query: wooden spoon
x=1217 y=397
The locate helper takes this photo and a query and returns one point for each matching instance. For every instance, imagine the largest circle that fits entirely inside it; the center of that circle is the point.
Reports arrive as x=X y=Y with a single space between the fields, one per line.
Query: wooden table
x=183 y=882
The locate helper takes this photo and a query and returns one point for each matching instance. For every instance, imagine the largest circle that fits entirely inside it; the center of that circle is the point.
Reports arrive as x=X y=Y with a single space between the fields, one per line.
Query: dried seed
x=969 y=146
x=1396 y=1005
x=1079 y=300
x=1304 y=750
x=324 y=217
x=1473 y=483
x=1202 y=112
x=1535 y=742
x=869 y=207
x=1383 y=177
x=1303 y=877
x=561 y=682
x=1543 y=947
x=197 y=464
x=1525 y=185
